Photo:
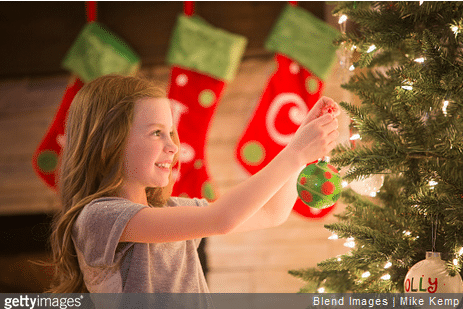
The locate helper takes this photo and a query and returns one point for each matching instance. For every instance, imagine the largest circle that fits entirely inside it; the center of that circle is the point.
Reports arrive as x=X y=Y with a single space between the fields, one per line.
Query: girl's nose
x=171 y=147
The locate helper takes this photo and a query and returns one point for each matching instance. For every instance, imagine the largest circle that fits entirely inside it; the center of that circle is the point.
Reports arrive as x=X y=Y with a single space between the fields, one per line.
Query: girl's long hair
x=97 y=127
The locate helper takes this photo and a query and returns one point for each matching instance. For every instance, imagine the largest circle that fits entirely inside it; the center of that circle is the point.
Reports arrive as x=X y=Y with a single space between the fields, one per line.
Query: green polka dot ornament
x=319 y=185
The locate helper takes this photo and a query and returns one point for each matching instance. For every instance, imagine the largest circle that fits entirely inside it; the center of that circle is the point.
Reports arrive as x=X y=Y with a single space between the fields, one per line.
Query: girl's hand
x=317 y=134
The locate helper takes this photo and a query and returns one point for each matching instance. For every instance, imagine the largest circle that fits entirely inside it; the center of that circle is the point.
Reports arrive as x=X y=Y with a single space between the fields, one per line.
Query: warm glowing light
x=407 y=233
x=350 y=243
x=344 y=184
x=432 y=183
x=355 y=137
x=351 y=68
x=444 y=107
x=366 y=274
x=333 y=236
x=386 y=277
x=321 y=290
x=455 y=29
x=388 y=264
x=372 y=194
x=420 y=60
x=371 y=48
x=455 y=262
x=461 y=251
x=342 y=19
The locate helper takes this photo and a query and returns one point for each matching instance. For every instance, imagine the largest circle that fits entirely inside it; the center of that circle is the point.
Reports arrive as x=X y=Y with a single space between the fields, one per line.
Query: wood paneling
x=37 y=35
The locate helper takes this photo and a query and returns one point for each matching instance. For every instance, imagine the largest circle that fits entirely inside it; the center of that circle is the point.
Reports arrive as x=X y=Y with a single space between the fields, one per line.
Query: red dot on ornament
x=328 y=175
x=306 y=196
x=327 y=188
x=303 y=181
x=333 y=168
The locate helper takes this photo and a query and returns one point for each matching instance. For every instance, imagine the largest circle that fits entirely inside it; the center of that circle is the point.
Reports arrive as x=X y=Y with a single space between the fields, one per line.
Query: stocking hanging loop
x=90 y=8
x=188 y=8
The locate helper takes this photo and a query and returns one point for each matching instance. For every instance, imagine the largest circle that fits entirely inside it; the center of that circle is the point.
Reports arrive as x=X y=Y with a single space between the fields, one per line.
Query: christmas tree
x=409 y=79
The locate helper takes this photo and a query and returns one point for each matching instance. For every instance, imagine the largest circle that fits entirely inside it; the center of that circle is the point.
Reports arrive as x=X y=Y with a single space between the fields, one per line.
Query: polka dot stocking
x=194 y=98
x=290 y=93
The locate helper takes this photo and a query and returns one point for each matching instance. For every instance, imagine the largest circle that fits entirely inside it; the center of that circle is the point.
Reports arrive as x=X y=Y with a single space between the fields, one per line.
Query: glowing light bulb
x=355 y=137
x=372 y=194
x=350 y=243
x=351 y=68
x=371 y=48
x=333 y=236
x=444 y=107
x=321 y=290
x=455 y=29
x=344 y=184
x=388 y=264
x=342 y=19
x=432 y=183
x=421 y=2
x=366 y=274
x=339 y=259
x=461 y=251
x=420 y=60
x=407 y=87
x=455 y=262
x=407 y=233
x=386 y=277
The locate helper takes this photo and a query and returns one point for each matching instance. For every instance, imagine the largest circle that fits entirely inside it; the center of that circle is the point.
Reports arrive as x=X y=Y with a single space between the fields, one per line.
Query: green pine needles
x=411 y=125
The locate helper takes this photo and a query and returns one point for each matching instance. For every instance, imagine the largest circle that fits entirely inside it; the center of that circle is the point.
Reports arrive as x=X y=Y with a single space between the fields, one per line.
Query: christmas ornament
x=304 y=54
x=319 y=185
x=431 y=276
x=368 y=186
x=203 y=59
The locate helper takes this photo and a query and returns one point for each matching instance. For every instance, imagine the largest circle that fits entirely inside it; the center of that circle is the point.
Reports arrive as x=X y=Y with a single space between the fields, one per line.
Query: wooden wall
x=37 y=35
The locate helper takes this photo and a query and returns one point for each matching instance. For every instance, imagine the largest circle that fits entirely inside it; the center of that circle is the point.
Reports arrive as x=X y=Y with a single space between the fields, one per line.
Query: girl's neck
x=135 y=196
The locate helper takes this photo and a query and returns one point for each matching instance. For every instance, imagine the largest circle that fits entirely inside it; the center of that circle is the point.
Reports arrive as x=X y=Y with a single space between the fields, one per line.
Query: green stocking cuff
x=97 y=52
x=198 y=46
x=303 y=37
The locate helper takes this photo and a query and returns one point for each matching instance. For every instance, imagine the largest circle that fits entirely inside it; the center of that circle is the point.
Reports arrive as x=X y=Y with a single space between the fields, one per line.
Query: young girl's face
x=150 y=150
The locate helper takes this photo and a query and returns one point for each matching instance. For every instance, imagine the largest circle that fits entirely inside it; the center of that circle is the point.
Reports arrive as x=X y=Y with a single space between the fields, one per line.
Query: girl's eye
x=156 y=133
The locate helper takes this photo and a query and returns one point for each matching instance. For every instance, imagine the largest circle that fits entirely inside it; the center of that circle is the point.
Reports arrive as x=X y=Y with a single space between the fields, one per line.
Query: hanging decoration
x=95 y=52
x=319 y=185
x=46 y=156
x=304 y=54
x=203 y=59
x=431 y=276
x=368 y=186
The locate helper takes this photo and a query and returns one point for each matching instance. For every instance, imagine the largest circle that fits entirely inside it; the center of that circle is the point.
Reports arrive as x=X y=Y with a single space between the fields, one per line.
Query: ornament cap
x=430 y=255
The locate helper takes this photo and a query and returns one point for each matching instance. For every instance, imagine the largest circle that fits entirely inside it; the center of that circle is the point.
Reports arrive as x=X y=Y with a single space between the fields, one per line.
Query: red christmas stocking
x=96 y=52
x=45 y=159
x=203 y=59
x=194 y=98
x=304 y=54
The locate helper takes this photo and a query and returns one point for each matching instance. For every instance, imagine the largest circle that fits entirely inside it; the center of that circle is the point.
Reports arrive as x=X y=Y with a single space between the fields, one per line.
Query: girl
x=119 y=230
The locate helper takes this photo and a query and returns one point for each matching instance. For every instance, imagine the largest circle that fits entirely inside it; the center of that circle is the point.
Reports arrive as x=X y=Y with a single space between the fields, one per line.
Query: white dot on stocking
x=294 y=68
x=181 y=80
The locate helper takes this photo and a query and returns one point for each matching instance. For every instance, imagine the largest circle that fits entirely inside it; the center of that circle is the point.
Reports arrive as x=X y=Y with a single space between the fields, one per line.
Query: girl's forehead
x=152 y=111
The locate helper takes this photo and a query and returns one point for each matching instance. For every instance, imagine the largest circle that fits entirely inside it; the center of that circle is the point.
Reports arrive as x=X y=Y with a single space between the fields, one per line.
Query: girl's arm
x=270 y=190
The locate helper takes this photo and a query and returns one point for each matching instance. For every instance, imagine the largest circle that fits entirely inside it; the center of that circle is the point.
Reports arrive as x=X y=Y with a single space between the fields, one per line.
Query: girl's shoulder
x=107 y=207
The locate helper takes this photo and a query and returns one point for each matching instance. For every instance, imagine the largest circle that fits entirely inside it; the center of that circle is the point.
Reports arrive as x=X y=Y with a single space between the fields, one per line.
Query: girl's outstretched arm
x=270 y=190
